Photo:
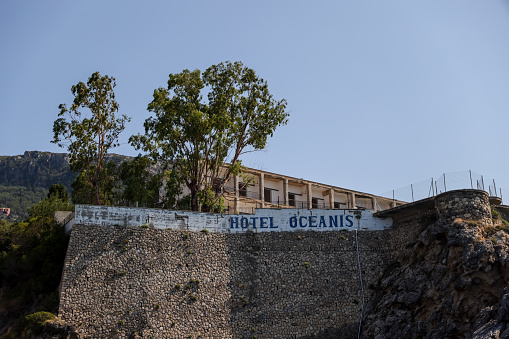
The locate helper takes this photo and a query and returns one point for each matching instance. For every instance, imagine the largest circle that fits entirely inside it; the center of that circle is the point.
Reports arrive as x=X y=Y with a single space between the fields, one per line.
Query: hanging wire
x=362 y=285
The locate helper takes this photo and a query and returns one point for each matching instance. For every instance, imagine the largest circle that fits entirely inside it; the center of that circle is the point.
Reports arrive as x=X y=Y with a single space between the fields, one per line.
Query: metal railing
x=229 y=209
x=444 y=183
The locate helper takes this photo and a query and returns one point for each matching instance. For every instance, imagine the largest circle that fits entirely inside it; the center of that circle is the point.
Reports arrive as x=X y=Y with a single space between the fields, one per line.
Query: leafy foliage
x=32 y=254
x=58 y=191
x=203 y=141
x=84 y=191
x=88 y=139
x=19 y=199
x=139 y=183
x=34 y=323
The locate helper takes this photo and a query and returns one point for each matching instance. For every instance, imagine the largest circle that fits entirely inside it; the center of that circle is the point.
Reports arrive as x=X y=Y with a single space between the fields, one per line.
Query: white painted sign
x=264 y=220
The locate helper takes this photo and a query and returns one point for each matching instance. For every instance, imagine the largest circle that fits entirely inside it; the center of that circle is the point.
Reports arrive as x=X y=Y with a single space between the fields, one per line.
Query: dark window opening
x=243 y=189
x=217 y=185
x=317 y=203
x=291 y=199
x=337 y=205
x=267 y=195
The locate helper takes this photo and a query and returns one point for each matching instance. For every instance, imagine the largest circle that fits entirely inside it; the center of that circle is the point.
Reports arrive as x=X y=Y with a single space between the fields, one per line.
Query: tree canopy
x=203 y=140
x=139 y=183
x=88 y=138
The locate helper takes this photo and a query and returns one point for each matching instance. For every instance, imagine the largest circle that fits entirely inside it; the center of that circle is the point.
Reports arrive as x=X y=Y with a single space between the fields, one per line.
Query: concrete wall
x=264 y=220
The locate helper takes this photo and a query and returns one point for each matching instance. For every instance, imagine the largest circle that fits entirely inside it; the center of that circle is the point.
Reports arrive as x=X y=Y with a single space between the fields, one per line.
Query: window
x=337 y=205
x=217 y=185
x=317 y=203
x=243 y=189
x=291 y=199
x=267 y=193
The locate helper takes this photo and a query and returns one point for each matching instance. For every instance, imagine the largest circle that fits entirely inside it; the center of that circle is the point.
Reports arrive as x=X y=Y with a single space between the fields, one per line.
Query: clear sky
x=381 y=94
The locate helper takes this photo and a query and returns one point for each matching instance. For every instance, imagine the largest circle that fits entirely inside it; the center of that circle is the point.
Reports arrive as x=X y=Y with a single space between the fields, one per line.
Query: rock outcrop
x=41 y=169
x=452 y=280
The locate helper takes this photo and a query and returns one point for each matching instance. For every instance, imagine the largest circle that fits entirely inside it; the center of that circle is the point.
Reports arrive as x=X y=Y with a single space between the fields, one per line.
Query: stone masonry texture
x=129 y=282
x=124 y=281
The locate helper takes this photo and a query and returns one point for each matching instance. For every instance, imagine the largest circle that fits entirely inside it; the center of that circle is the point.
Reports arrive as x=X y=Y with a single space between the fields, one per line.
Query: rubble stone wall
x=120 y=281
x=464 y=204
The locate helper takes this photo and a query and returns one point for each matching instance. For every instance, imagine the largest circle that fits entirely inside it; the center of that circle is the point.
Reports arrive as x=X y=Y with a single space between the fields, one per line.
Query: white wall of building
x=264 y=220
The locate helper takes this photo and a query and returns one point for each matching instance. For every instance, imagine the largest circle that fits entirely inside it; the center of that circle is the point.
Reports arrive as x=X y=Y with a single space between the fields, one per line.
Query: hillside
x=24 y=179
x=36 y=169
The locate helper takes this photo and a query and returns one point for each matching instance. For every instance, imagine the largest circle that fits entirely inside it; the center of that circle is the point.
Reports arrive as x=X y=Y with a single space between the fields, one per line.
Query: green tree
x=48 y=206
x=32 y=255
x=83 y=192
x=88 y=138
x=59 y=191
x=139 y=182
x=203 y=140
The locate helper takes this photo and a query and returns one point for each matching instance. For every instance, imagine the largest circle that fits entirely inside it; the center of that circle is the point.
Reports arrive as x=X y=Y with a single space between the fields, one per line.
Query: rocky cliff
x=36 y=169
x=451 y=281
x=41 y=169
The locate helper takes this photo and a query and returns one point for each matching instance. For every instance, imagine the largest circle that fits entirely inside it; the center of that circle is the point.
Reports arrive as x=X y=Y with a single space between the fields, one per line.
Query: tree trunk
x=97 y=196
x=96 y=186
x=194 y=199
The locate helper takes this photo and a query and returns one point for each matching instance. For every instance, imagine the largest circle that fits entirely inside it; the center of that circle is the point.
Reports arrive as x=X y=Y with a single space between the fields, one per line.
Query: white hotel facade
x=270 y=190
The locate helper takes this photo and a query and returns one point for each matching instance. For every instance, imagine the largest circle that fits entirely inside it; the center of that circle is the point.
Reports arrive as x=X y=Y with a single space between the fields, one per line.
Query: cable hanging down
x=362 y=286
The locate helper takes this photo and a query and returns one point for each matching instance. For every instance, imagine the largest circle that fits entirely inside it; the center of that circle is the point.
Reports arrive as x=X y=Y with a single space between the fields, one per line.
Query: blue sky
x=381 y=94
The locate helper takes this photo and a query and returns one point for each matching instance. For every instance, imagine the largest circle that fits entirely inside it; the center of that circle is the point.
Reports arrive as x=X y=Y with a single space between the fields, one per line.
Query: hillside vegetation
x=32 y=254
x=19 y=199
x=25 y=179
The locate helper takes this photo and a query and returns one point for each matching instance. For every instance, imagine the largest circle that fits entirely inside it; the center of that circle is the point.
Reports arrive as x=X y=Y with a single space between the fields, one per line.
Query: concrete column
x=331 y=198
x=285 y=191
x=236 y=188
x=374 y=204
x=262 y=191
x=309 y=194
x=352 y=201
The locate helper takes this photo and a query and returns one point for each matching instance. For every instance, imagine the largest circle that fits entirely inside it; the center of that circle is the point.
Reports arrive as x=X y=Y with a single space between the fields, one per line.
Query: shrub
x=194 y=281
x=494 y=213
x=35 y=322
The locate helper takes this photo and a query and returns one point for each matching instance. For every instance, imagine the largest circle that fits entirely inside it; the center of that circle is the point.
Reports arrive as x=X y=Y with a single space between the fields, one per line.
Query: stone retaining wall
x=175 y=284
